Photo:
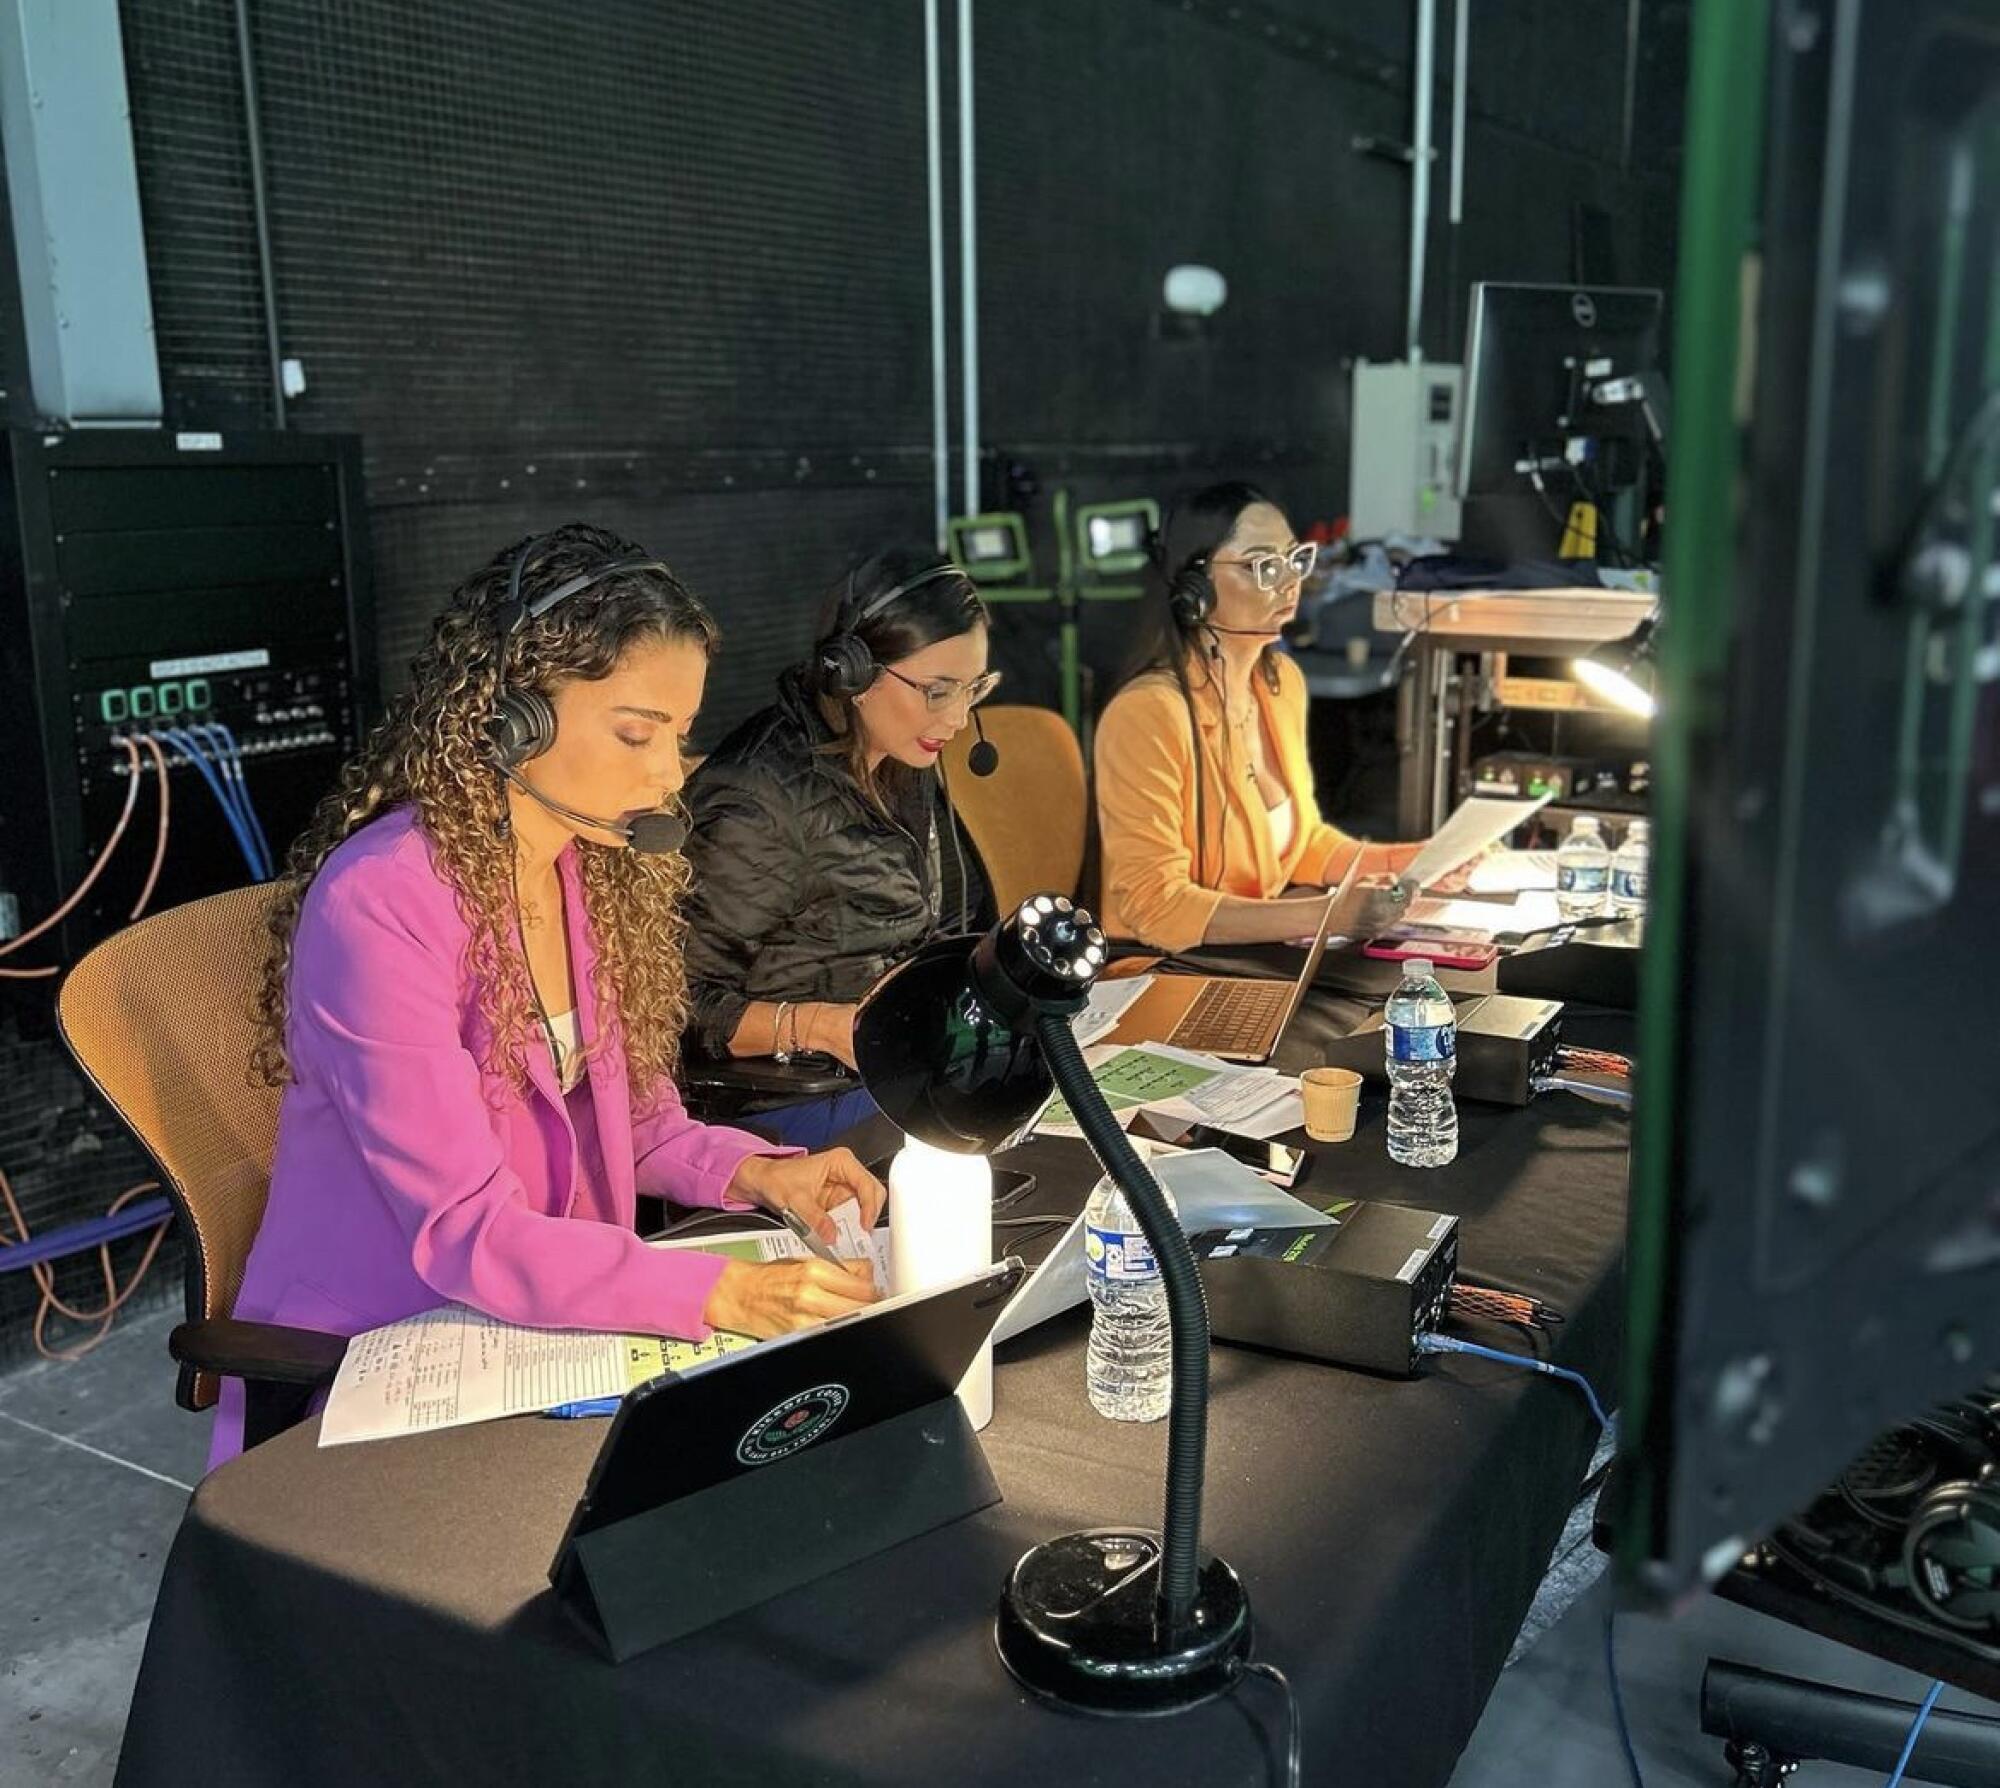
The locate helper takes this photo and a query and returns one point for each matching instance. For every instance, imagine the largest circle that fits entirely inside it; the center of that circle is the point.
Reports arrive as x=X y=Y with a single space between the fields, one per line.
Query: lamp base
x=1080 y=1623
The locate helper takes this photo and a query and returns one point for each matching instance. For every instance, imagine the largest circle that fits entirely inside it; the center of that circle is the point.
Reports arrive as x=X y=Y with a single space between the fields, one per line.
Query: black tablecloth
x=381 y=1613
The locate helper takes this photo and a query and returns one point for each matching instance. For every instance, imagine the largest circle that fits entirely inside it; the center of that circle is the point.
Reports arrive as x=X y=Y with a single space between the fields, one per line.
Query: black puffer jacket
x=802 y=889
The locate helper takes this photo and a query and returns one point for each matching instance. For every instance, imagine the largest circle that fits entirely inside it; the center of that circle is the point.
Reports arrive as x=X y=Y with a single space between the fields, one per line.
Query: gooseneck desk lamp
x=958 y=1046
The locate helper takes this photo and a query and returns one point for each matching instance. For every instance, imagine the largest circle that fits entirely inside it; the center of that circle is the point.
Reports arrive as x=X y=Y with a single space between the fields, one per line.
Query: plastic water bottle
x=1628 y=873
x=1583 y=871
x=1421 y=1044
x=1128 y=1368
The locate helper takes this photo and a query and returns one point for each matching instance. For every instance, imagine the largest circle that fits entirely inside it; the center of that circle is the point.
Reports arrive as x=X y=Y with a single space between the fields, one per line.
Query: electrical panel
x=1402 y=476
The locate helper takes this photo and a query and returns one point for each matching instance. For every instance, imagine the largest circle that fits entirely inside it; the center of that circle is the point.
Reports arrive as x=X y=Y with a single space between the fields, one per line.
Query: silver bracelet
x=779 y=1053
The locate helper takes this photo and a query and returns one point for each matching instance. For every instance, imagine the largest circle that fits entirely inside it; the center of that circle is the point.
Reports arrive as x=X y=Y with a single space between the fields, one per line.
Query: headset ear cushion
x=522 y=726
x=845 y=666
x=1951 y=1553
x=1191 y=596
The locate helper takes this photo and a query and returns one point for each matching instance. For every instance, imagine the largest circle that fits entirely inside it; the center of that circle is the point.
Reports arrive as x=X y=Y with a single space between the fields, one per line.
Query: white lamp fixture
x=940 y=1229
x=1192 y=290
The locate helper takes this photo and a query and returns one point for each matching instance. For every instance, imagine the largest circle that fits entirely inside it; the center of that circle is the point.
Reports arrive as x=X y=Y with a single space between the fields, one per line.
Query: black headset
x=842 y=662
x=1931 y=1492
x=523 y=722
x=1191 y=594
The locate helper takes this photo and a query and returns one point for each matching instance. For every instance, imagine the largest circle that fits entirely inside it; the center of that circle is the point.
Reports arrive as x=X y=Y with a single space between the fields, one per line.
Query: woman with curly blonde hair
x=475 y=991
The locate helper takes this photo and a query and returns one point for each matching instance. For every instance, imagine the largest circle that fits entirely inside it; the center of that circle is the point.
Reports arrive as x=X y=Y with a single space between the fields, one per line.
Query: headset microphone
x=651 y=834
x=984 y=758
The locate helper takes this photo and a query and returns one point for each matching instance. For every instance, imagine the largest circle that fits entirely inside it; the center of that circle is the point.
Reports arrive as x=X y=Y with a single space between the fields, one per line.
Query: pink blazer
x=409 y=1173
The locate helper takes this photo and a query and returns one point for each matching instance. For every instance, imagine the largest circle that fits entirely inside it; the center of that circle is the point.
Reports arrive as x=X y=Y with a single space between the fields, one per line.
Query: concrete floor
x=96 y=1462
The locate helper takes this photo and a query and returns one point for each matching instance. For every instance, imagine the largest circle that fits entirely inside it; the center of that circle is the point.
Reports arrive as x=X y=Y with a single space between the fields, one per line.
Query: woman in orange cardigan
x=1211 y=833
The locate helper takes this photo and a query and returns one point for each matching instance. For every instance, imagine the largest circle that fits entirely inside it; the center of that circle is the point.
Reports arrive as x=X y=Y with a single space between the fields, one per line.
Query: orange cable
x=90 y=875
x=160 y=838
x=115 y=1298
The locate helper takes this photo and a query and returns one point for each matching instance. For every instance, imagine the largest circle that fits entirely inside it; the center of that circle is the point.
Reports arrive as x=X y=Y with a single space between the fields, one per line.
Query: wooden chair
x=159 y=1017
x=1030 y=819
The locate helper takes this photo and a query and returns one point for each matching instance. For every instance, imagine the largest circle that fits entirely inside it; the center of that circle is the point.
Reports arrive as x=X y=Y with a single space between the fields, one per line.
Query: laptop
x=1239 y=1018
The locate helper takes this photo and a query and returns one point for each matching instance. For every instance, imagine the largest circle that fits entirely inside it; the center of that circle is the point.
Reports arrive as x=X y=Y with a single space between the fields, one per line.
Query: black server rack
x=154 y=582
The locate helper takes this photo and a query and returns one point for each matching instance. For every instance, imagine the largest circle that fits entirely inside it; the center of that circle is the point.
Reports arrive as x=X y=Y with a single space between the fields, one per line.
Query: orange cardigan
x=1146 y=810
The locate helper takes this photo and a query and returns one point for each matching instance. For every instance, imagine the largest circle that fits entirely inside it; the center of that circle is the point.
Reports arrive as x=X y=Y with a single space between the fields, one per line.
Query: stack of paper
x=449 y=1367
x=1180 y=1083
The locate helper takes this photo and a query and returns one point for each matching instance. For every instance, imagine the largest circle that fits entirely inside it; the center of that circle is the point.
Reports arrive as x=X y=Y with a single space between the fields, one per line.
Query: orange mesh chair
x=159 y=1017
x=1029 y=820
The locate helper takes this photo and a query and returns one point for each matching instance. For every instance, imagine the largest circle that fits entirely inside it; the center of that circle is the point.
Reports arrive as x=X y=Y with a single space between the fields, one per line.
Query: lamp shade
x=945 y=1042
x=1622 y=673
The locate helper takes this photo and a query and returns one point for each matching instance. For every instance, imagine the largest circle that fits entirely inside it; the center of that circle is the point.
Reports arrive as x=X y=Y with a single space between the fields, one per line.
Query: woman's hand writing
x=811 y=1185
x=762 y=1298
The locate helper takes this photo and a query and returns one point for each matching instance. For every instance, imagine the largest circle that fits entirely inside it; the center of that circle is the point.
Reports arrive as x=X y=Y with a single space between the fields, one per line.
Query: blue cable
x=1618 y=1698
x=245 y=805
x=197 y=755
x=1916 y=1730
x=229 y=756
x=1452 y=1344
x=190 y=748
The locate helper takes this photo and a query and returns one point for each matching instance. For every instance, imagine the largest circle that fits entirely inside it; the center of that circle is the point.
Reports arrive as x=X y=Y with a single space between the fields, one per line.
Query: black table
x=381 y=1613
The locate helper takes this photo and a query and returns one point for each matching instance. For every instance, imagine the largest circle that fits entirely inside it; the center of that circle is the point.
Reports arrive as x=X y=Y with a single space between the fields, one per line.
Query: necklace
x=1242 y=725
x=556 y=1059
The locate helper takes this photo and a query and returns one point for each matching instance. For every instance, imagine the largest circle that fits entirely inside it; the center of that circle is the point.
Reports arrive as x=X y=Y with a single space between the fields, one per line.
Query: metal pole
x=968 y=275
x=934 y=170
x=253 y=136
x=1631 y=84
x=1461 y=12
x=1420 y=170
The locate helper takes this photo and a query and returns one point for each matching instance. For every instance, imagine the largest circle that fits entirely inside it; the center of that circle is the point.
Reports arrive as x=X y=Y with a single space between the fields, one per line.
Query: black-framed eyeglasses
x=944 y=692
x=1270 y=571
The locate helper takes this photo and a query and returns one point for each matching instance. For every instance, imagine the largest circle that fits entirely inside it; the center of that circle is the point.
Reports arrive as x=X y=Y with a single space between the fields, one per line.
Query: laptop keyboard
x=1232 y=1017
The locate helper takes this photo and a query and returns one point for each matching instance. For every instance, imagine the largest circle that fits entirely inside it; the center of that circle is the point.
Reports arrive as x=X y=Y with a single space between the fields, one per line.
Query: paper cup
x=1331 y=1095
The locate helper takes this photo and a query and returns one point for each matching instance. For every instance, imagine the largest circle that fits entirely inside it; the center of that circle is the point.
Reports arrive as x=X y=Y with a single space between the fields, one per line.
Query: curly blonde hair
x=430 y=752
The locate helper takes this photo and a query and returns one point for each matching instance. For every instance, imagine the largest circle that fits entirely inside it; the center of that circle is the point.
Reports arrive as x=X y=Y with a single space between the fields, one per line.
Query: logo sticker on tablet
x=797 y=1422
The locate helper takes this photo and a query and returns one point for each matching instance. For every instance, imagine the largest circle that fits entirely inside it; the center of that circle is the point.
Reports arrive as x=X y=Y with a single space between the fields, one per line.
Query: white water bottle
x=1420 y=1043
x=1129 y=1367
x=1628 y=873
x=1583 y=871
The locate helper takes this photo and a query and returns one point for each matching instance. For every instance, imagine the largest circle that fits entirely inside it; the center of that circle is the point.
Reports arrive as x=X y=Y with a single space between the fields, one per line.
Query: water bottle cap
x=1421 y=967
x=1584 y=822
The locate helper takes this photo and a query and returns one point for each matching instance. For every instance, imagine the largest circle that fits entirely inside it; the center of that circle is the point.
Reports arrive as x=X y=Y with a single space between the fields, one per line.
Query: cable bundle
x=212 y=749
x=1495 y=1305
x=1594 y=1061
x=104 y=856
x=115 y=1295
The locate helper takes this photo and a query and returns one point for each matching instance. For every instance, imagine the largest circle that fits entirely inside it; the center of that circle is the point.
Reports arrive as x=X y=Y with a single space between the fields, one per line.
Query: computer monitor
x=1563 y=402
x=1815 y=1222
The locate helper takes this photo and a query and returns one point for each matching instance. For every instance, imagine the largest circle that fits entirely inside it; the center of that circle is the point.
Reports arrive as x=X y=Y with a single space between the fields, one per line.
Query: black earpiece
x=523 y=724
x=1191 y=595
x=843 y=666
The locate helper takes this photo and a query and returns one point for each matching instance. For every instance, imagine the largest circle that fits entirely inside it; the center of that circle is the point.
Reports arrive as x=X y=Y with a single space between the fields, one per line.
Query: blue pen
x=590 y=1406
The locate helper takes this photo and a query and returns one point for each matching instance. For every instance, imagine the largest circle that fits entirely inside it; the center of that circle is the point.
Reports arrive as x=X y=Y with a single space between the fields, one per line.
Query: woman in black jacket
x=816 y=842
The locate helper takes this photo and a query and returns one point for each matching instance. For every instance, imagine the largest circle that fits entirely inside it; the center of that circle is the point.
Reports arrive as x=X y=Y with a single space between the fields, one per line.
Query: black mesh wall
x=663 y=266
x=664 y=263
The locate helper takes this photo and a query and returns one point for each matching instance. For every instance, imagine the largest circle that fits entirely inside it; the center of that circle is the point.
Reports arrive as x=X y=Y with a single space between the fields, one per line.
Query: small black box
x=1357 y=1292
x=1503 y=1043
